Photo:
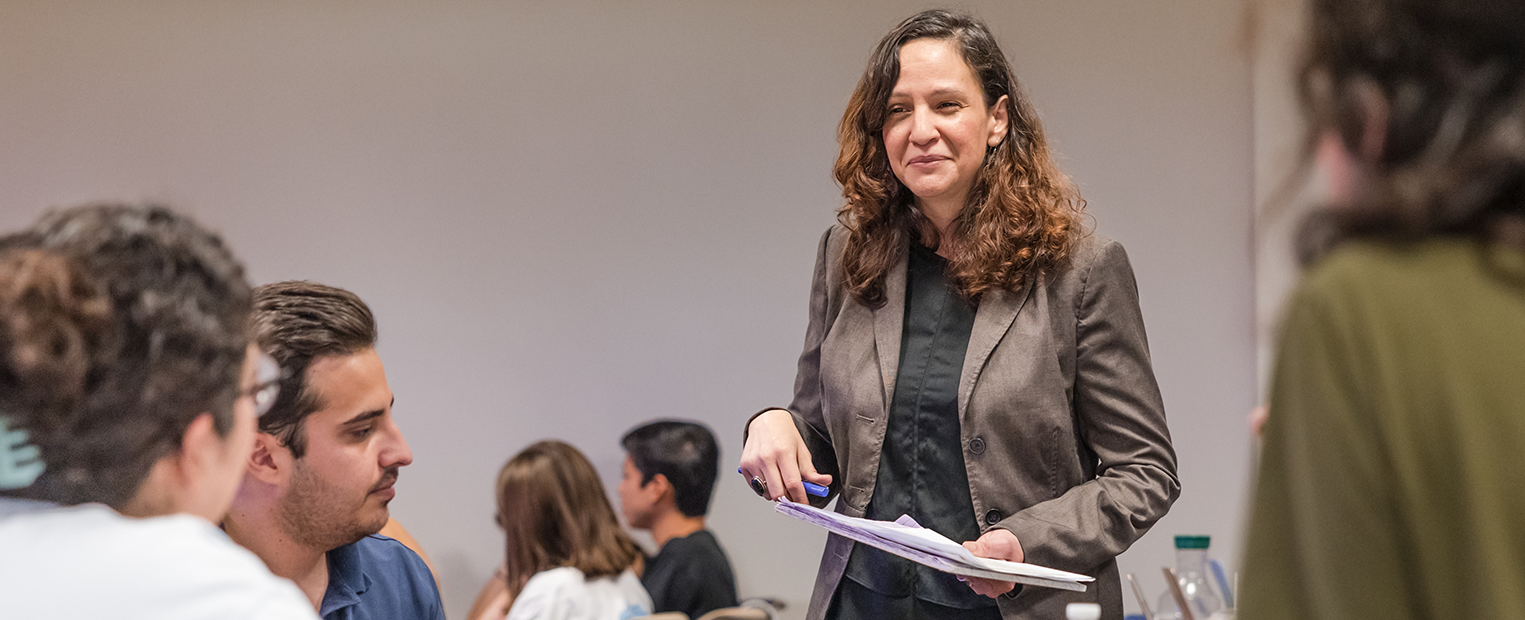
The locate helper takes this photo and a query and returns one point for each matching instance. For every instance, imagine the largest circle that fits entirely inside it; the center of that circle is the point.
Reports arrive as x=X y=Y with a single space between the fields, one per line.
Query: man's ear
x=660 y=489
x=200 y=447
x=175 y=482
x=270 y=461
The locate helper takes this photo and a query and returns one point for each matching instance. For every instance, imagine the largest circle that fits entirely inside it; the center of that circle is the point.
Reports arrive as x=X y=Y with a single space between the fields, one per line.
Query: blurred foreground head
x=121 y=329
x=1424 y=102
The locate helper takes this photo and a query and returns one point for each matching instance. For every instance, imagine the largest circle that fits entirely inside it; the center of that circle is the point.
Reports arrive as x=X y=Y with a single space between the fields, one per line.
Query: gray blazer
x=1060 y=417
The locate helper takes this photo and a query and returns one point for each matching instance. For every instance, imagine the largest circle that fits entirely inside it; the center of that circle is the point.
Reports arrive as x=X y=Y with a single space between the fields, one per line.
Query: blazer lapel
x=991 y=321
x=889 y=322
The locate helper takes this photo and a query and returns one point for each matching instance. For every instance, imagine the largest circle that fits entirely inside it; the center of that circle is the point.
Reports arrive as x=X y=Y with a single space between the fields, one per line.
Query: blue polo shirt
x=379 y=578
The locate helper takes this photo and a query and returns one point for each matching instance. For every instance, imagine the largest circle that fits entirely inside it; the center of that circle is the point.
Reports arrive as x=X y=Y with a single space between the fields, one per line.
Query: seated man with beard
x=323 y=465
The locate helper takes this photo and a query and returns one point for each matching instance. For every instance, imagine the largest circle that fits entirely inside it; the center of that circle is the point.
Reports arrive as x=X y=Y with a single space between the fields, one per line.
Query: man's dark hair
x=684 y=452
x=175 y=307
x=297 y=323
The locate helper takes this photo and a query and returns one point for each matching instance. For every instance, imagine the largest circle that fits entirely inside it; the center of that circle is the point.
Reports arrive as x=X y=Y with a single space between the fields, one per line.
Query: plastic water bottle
x=1082 y=611
x=1191 y=573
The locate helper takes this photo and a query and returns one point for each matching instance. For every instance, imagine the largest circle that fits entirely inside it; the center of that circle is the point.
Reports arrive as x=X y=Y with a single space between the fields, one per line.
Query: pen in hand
x=811 y=488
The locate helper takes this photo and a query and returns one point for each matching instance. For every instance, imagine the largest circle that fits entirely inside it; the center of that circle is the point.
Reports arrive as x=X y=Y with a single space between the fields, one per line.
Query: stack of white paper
x=905 y=538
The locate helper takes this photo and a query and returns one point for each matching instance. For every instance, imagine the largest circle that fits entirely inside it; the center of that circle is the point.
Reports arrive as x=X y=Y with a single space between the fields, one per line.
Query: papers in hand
x=905 y=538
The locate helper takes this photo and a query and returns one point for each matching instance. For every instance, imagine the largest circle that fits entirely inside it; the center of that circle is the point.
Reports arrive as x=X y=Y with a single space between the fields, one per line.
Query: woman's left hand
x=998 y=544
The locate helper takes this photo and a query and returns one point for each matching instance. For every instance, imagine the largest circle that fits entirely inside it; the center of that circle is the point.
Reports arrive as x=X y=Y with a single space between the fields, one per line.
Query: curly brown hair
x=179 y=309
x=1022 y=214
x=1450 y=79
x=56 y=331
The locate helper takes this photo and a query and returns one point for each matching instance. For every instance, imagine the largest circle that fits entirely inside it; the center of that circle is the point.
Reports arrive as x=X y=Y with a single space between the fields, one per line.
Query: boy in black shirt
x=669 y=475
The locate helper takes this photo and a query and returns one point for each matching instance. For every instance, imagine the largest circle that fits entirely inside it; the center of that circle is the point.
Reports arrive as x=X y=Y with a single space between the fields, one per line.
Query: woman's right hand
x=777 y=455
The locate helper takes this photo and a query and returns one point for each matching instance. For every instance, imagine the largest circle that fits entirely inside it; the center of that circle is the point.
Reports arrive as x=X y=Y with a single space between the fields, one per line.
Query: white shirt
x=89 y=562
x=563 y=594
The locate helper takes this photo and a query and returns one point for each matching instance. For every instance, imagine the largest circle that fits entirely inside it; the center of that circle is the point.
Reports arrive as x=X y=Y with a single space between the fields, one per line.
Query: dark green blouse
x=1391 y=482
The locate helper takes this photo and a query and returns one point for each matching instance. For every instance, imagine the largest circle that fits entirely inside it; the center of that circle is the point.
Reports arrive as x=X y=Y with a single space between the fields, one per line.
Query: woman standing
x=1390 y=484
x=974 y=358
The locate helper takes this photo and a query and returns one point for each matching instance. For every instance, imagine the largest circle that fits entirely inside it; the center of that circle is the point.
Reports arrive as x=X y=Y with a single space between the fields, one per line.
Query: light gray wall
x=572 y=216
x=1283 y=197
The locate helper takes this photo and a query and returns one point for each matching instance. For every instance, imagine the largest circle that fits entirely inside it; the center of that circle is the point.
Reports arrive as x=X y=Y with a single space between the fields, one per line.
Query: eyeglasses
x=267 y=385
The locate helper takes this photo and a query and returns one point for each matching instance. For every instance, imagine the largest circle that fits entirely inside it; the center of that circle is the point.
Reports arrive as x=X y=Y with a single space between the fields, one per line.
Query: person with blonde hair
x=565 y=556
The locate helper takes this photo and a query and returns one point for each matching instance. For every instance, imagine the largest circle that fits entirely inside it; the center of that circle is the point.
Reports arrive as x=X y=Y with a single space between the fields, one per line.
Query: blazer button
x=992 y=517
x=977 y=445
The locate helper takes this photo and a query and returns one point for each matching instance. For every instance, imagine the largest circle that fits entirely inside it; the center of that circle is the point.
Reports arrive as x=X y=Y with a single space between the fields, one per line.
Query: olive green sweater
x=1392 y=480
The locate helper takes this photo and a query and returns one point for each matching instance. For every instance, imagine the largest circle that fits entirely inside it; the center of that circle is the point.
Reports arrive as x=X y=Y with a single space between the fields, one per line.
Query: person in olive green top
x=1391 y=482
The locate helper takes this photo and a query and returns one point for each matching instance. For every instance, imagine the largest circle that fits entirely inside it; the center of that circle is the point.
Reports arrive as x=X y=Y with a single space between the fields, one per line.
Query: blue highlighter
x=811 y=488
